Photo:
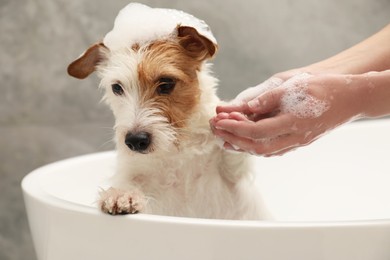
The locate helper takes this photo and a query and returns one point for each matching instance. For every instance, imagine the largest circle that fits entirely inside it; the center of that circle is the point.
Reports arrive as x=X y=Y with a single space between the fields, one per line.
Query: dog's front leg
x=235 y=166
x=116 y=201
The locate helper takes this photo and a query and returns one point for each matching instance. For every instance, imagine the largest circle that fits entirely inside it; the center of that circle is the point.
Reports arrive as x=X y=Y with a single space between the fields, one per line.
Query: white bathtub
x=331 y=201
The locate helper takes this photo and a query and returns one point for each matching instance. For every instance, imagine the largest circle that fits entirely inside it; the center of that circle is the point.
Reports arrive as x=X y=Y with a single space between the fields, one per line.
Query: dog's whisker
x=106 y=143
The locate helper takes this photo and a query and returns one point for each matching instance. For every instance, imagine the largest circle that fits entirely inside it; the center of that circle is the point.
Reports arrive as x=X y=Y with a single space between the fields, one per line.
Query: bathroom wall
x=46 y=115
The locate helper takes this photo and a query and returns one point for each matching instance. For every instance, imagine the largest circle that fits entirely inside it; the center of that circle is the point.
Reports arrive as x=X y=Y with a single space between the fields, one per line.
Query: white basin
x=330 y=200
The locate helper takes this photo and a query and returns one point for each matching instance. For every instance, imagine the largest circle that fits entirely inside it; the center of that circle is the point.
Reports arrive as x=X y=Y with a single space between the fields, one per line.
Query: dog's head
x=152 y=83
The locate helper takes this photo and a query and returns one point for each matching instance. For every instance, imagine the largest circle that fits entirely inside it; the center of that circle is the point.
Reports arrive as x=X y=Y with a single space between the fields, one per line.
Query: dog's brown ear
x=86 y=63
x=197 y=46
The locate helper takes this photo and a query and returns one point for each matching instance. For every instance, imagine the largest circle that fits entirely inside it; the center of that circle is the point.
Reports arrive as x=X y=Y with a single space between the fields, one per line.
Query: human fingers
x=218 y=117
x=221 y=116
x=269 y=102
x=253 y=92
x=269 y=127
x=231 y=147
x=283 y=144
x=234 y=115
x=264 y=147
x=239 y=104
x=277 y=146
x=241 y=107
x=280 y=153
x=233 y=142
x=237 y=116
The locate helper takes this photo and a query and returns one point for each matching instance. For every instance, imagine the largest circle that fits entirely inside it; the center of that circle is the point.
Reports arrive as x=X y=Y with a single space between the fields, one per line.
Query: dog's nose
x=138 y=142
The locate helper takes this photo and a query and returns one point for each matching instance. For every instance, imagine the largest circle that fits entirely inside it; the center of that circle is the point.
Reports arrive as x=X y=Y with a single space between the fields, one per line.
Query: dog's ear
x=196 y=45
x=87 y=62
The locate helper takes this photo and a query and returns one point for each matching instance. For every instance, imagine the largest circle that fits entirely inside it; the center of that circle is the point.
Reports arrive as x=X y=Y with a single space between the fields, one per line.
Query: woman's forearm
x=372 y=54
x=375 y=90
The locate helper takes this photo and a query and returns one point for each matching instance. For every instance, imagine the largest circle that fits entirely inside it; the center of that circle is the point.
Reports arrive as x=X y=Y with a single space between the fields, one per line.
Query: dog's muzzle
x=138 y=142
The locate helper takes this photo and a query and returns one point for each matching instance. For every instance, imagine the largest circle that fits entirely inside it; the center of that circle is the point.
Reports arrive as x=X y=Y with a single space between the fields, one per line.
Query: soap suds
x=298 y=102
x=295 y=100
x=139 y=24
x=348 y=80
x=256 y=91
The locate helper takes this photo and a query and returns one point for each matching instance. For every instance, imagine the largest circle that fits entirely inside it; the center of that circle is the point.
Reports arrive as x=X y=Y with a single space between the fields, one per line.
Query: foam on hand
x=298 y=102
x=253 y=92
x=139 y=24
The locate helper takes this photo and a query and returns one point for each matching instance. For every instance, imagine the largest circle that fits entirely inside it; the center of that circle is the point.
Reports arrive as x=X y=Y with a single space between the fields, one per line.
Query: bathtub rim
x=31 y=190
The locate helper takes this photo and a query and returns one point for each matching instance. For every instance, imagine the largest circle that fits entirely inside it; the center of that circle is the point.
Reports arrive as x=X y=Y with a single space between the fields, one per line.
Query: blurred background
x=46 y=115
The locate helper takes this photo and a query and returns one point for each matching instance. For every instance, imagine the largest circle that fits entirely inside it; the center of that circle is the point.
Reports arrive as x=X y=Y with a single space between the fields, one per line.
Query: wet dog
x=153 y=68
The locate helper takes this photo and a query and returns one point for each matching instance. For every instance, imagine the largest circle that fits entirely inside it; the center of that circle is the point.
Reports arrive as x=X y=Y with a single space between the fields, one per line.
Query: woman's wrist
x=374 y=90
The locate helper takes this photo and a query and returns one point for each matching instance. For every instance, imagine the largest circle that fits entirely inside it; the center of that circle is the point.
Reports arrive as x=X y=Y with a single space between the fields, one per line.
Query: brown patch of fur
x=170 y=59
x=86 y=64
x=196 y=45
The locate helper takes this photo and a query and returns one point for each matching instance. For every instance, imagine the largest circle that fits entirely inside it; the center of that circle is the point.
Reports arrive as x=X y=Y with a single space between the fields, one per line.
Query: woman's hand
x=288 y=114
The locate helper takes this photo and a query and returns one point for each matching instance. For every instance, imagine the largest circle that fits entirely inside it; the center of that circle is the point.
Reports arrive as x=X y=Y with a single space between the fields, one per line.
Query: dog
x=153 y=68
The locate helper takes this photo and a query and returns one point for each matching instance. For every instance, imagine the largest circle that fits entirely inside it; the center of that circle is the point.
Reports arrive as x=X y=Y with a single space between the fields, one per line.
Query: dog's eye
x=165 y=86
x=117 y=89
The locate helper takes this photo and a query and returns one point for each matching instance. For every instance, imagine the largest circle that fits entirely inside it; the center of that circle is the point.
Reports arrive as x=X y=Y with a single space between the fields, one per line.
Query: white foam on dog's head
x=140 y=24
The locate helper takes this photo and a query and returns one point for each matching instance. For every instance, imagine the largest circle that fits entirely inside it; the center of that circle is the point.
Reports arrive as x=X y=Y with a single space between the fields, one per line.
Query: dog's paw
x=115 y=201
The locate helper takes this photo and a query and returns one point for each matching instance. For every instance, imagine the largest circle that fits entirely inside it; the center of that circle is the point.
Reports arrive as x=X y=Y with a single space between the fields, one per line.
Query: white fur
x=189 y=176
x=121 y=66
x=195 y=178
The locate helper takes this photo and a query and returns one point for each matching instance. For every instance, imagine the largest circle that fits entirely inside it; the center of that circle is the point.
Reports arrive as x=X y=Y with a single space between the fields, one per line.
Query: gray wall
x=46 y=115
